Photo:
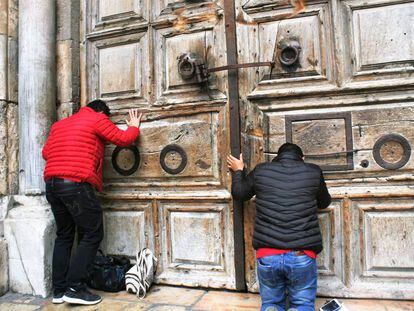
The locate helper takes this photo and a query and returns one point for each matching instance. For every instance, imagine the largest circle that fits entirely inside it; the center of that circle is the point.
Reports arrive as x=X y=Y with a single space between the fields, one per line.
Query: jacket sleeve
x=111 y=133
x=242 y=187
x=324 y=198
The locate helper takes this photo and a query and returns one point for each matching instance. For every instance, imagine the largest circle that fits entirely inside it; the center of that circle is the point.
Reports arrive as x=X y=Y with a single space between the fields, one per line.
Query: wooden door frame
x=235 y=139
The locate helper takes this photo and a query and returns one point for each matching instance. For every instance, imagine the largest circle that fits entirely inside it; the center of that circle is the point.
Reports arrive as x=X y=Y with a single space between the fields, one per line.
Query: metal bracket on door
x=191 y=65
x=245 y=65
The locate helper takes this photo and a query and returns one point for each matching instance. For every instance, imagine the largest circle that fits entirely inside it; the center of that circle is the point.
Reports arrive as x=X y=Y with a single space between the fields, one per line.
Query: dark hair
x=99 y=106
x=292 y=148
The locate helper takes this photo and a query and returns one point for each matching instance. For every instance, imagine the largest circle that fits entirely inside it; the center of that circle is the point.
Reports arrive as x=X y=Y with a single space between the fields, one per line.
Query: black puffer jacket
x=288 y=193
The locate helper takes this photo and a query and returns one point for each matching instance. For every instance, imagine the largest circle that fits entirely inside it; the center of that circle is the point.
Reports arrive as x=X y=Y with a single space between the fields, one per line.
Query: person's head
x=99 y=106
x=290 y=148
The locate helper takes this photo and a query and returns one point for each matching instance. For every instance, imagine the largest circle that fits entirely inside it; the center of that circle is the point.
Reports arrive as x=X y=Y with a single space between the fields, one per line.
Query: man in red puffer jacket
x=74 y=153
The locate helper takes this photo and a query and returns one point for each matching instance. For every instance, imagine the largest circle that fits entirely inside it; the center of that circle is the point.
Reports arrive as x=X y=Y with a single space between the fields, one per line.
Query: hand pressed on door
x=235 y=164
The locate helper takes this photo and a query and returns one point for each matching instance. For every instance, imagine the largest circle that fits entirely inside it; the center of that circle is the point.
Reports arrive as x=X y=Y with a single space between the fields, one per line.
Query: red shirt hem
x=265 y=252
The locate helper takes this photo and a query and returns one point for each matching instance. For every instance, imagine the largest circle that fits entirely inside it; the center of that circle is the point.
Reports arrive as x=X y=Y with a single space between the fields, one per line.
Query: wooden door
x=170 y=192
x=341 y=88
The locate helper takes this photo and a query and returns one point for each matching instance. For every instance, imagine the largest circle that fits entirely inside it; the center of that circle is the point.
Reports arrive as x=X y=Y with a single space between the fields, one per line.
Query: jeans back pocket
x=265 y=271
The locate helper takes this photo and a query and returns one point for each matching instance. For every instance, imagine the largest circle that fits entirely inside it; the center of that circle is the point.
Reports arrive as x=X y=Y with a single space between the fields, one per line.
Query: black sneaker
x=58 y=298
x=81 y=297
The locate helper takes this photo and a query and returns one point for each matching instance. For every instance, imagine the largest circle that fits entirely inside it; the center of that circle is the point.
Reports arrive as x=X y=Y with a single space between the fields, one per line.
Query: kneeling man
x=286 y=236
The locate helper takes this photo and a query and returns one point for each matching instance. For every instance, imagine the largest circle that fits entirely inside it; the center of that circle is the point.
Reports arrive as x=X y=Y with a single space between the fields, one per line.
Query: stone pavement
x=167 y=298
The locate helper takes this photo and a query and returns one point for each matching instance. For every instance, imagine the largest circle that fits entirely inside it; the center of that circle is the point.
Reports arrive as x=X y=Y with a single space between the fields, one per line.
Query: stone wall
x=67 y=57
x=9 y=142
x=8 y=98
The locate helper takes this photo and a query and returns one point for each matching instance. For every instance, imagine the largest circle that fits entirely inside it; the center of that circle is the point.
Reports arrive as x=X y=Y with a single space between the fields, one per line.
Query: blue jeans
x=287 y=275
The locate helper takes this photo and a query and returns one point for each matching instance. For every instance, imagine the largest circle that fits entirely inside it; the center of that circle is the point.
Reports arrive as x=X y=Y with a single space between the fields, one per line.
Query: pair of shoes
x=78 y=295
x=81 y=296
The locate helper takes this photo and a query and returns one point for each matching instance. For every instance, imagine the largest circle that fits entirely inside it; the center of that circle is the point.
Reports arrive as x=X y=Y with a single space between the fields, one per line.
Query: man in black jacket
x=287 y=236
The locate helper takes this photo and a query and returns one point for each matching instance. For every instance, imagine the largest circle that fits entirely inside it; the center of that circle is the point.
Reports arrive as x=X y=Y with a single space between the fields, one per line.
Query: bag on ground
x=107 y=273
x=140 y=277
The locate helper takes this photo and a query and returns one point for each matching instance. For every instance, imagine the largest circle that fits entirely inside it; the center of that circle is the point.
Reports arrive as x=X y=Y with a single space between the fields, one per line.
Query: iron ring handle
x=289 y=55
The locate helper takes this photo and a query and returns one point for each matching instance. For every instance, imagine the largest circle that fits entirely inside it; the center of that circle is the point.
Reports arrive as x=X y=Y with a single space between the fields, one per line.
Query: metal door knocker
x=190 y=65
x=173 y=159
x=126 y=160
x=392 y=151
x=289 y=52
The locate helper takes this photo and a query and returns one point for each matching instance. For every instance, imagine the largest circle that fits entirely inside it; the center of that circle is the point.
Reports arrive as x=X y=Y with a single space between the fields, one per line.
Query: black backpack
x=107 y=273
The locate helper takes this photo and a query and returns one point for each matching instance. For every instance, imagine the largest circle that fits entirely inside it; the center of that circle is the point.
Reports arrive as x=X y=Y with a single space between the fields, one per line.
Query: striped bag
x=139 y=278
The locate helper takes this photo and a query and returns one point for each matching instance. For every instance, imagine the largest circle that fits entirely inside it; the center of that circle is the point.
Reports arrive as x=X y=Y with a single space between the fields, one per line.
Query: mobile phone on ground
x=333 y=305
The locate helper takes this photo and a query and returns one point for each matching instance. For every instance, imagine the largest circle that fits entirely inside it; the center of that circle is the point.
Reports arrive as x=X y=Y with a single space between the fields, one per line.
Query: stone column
x=29 y=225
x=37 y=86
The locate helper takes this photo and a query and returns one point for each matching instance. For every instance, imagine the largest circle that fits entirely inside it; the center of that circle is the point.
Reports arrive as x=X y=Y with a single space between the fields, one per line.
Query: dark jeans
x=287 y=275
x=73 y=205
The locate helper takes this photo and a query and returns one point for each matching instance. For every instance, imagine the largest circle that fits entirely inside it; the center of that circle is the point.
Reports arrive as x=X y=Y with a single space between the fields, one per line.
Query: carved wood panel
x=128 y=226
x=269 y=37
x=208 y=43
x=379 y=47
x=195 y=244
x=325 y=139
x=383 y=251
x=117 y=70
x=108 y=15
x=197 y=135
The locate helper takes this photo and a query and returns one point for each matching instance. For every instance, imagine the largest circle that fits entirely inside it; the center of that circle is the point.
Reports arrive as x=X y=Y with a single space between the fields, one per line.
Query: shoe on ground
x=58 y=298
x=81 y=297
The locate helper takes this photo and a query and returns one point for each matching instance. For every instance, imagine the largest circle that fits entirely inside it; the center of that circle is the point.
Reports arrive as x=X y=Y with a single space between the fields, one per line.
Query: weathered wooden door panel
x=197 y=135
x=377 y=41
x=347 y=100
x=381 y=240
x=207 y=41
x=170 y=191
x=128 y=227
x=196 y=243
x=267 y=37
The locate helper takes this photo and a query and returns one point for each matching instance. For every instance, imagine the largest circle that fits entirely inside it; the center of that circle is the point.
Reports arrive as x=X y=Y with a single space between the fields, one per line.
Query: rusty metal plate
x=333 y=145
x=125 y=160
x=173 y=159
x=392 y=151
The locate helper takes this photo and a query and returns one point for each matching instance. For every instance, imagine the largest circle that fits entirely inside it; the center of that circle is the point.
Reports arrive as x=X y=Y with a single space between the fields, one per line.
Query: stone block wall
x=8 y=97
x=9 y=135
x=67 y=57
x=29 y=231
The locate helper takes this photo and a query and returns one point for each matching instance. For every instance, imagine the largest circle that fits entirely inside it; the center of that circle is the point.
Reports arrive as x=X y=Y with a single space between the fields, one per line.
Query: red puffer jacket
x=75 y=147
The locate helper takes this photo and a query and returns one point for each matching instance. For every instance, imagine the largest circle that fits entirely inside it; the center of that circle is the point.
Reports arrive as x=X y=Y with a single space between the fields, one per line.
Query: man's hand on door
x=134 y=118
x=235 y=164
